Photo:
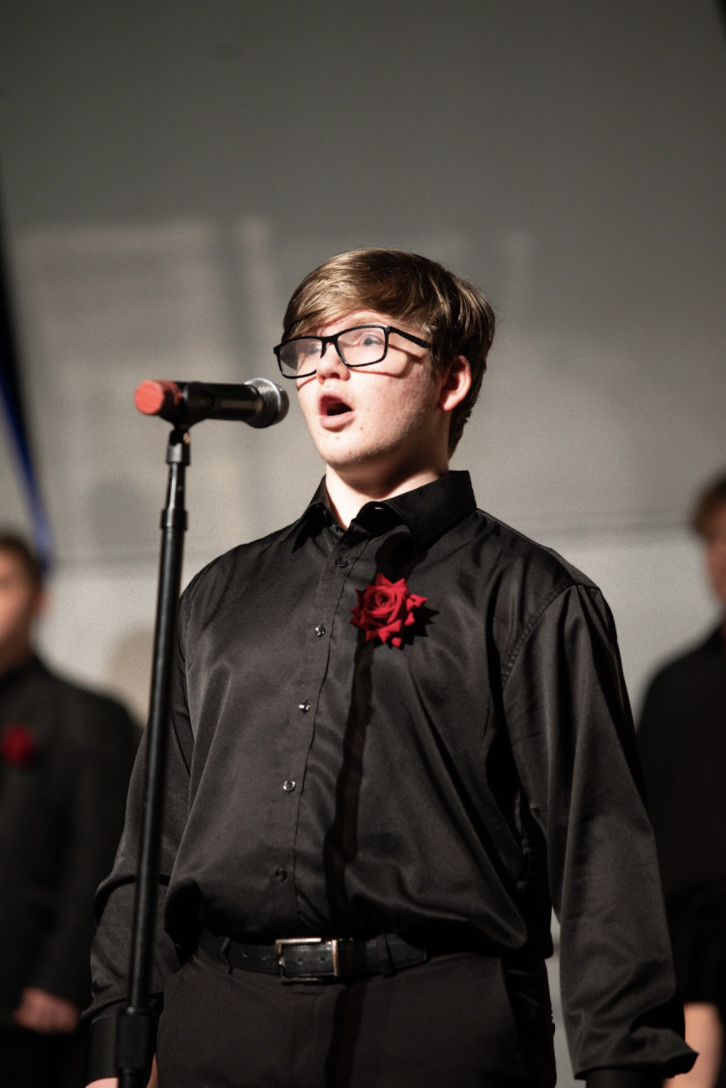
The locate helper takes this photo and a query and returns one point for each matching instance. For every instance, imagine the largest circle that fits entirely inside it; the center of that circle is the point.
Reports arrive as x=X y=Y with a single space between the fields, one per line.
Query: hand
x=45 y=1013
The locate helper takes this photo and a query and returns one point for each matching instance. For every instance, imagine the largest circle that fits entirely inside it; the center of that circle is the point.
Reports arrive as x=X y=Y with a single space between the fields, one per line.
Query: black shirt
x=321 y=783
x=62 y=790
x=682 y=741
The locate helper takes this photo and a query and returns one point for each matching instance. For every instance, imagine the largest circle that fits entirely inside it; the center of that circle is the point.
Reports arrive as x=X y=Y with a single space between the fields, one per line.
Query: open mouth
x=333 y=406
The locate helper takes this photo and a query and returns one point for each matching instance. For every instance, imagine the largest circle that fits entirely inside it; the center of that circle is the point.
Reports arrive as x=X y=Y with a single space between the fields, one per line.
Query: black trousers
x=458 y=1021
x=31 y=1060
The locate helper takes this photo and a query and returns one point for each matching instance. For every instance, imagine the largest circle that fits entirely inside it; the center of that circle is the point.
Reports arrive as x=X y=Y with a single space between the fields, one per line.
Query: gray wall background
x=171 y=170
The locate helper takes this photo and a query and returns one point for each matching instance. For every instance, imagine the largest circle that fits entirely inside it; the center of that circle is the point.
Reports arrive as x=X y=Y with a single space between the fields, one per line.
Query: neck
x=348 y=496
x=13 y=656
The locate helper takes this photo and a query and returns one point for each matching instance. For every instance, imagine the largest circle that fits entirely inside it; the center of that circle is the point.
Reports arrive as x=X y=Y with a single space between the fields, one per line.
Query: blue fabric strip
x=42 y=534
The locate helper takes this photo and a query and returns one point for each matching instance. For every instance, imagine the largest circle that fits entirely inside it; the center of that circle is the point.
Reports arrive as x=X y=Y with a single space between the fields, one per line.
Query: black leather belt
x=316 y=957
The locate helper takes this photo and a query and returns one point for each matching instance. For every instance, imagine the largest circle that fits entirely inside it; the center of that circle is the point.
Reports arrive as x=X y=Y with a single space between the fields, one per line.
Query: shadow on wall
x=111 y=306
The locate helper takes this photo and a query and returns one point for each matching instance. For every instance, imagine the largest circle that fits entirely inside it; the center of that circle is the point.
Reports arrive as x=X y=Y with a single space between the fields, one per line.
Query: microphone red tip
x=154 y=396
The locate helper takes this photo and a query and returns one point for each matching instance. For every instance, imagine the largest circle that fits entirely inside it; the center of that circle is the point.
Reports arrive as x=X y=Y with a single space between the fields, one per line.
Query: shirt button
x=288 y=785
x=304 y=706
x=340 y=562
x=320 y=630
x=281 y=874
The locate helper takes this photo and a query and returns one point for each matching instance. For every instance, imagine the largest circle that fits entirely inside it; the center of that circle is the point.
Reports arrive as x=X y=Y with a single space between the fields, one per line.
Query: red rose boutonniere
x=384 y=608
x=17 y=744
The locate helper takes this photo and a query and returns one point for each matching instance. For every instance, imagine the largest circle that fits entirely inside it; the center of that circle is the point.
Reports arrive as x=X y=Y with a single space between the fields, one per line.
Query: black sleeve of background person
x=99 y=760
x=659 y=740
x=682 y=747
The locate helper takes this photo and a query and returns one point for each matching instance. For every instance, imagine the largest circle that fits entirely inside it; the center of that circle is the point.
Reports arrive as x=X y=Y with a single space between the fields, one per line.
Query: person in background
x=65 y=760
x=682 y=743
x=399 y=733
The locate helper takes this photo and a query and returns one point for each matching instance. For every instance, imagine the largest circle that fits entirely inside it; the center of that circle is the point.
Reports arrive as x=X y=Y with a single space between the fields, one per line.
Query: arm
x=572 y=737
x=101 y=744
x=112 y=1082
x=115 y=898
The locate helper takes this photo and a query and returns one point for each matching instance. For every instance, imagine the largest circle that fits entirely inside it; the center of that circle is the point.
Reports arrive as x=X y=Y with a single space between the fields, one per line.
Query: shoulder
x=83 y=722
x=691 y=662
x=522 y=565
x=84 y=703
x=244 y=561
x=534 y=597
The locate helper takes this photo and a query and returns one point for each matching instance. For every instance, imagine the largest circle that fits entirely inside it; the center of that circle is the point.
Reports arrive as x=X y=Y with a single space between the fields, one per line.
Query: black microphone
x=258 y=402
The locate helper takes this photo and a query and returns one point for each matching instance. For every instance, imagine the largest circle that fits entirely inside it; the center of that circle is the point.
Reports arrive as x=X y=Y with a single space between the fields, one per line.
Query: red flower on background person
x=385 y=608
x=17 y=744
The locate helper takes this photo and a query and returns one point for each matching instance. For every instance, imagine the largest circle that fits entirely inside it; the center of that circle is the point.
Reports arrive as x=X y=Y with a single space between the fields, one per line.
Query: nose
x=330 y=364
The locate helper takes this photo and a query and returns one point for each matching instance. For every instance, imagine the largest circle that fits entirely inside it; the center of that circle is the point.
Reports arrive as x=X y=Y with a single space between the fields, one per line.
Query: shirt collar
x=428 y=511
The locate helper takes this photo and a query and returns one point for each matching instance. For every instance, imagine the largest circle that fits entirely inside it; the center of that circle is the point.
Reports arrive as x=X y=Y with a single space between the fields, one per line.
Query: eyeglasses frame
x=387 y=330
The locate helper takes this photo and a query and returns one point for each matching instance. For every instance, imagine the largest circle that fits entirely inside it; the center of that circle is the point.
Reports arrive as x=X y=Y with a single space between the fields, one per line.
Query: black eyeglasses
x=362 y=345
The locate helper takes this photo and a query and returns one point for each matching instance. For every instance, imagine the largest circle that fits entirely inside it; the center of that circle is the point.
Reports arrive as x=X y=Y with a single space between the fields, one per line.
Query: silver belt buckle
x=334 y=943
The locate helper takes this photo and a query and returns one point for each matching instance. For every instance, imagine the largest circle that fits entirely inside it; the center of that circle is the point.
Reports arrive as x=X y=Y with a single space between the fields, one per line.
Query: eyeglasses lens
x=357 y=347
x=362 y=346
x=300 y=356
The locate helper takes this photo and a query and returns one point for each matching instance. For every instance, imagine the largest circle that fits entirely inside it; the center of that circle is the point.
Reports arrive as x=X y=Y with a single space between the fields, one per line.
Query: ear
x=455 y=384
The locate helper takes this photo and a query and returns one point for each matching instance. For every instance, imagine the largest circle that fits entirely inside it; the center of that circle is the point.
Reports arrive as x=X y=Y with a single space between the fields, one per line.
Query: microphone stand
x=135 y=1032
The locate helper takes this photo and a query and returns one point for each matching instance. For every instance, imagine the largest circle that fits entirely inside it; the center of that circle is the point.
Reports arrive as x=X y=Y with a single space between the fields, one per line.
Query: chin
x=340 y=455
x=347 y=467
x=357 y=458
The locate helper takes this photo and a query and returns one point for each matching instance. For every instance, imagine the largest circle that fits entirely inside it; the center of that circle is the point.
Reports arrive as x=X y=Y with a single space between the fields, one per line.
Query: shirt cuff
x=101 y=1055
x=623 y=1078
x=101 y=1058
